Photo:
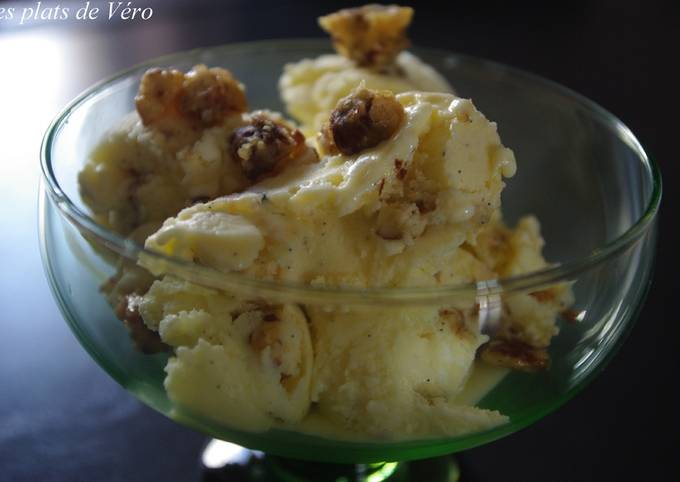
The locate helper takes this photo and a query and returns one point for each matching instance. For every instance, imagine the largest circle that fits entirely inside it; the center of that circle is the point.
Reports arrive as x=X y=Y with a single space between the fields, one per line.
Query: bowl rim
x=533 y=280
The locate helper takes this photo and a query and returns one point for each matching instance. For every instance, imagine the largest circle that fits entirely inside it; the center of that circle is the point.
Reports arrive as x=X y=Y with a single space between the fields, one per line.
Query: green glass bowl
x=580 y=170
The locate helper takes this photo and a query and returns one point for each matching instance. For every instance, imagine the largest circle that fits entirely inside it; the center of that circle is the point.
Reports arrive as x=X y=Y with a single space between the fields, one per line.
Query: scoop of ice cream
x=392 y=372
x=135 y=177
x=179 y=105
x=178 y=148
x=527 y=317
x=528 y=320
x=311 y=88
x=369 y=41
x=389 y=215
x=245 y=364
x=392 y=214
x=416 y=203
x=131 y=179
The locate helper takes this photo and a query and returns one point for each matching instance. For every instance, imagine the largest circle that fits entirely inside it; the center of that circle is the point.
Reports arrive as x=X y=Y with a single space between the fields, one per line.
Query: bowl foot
x=227 y=462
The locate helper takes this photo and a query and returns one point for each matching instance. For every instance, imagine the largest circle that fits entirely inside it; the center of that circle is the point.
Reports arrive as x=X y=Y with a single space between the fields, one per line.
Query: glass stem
x=227 y=462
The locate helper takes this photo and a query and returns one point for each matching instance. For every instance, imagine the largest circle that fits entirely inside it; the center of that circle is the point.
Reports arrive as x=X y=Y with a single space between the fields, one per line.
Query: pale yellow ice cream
x=370 y=41
x=190 y=139
x=177 y=148
x=389 y=216
x=246 y=364
x=395 y=372
x=395 y=215
x=527 y=317
x=416 y=205
x=310 y=88
x=136 y=175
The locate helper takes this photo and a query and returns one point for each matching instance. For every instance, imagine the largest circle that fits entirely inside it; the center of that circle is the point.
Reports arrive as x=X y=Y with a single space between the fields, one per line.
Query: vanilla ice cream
x=310 y=88
x=392 y=215
x=369 y=41
x=246 y=364
x=405 y=212
x=393 y=372
x=174 y=150
x=401 y=192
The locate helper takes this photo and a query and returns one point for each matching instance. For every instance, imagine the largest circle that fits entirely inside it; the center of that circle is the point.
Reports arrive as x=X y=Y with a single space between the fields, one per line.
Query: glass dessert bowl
x=582 y=172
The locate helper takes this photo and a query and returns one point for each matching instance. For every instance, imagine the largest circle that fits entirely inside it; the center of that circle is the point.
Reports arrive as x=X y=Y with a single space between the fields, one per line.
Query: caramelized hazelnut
x=146 y=340
x=371 y=35
x=360 y=121
x=515 y=355
x=203 y=97
x=210 y=95
x=265 y=146
x=158 y=90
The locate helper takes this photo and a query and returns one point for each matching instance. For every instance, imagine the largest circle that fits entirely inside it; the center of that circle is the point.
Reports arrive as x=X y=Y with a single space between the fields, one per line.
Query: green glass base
x=227 y=462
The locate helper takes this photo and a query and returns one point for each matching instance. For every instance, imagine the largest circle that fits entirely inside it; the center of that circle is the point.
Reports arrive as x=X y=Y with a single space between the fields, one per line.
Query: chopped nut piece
x=158 y=92
x=203 y=97
x=571 y=315
x=146 y=340
x=455 y=319
x=400 y=221
x=268 y=334
x=494 y=246
x=390 y=222
x=371 y=35
x=544 y=295
x=270 y=317
x=361 y=120
x=426 y=205
x=210 y=95
x=515 y=355
x=399 y=169
x=266 y=145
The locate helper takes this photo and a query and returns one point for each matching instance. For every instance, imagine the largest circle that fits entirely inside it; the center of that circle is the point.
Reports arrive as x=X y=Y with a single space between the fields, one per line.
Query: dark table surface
x=63 y=419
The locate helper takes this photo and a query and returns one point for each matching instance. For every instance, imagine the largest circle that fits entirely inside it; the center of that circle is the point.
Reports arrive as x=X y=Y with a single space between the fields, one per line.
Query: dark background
x=63 y=419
